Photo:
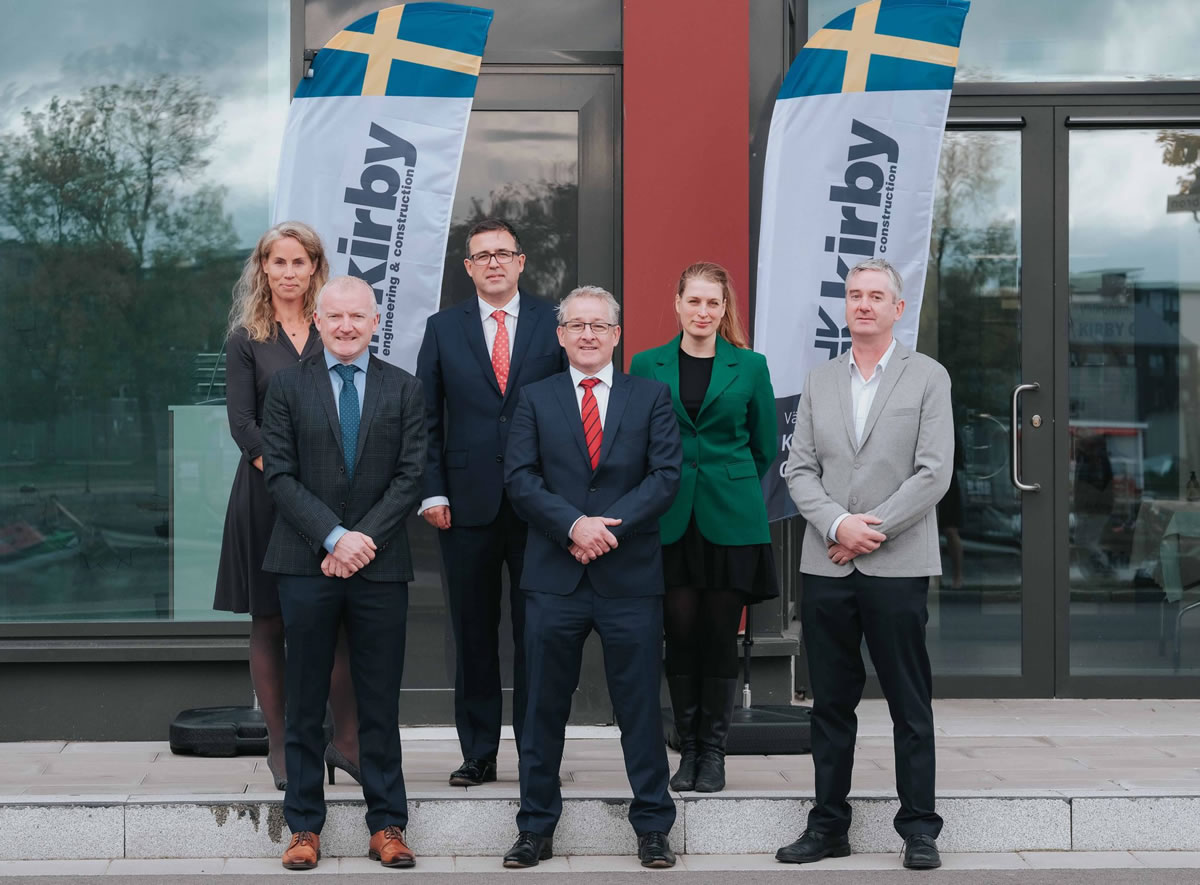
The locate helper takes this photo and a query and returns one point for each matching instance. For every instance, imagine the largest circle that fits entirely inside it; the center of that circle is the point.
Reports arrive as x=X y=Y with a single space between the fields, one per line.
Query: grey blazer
x=899 y=472
x=305 y=470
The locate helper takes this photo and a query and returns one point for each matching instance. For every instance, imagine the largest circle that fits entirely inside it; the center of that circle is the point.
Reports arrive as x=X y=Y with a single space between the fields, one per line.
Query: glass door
x=985 y=316
x=1128 y=444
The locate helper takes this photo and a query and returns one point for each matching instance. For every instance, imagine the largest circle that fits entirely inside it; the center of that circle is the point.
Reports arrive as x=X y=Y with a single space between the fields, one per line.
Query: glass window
x=520 y=26
x=1068 y=40
x=137 y=163
x=1134 y=521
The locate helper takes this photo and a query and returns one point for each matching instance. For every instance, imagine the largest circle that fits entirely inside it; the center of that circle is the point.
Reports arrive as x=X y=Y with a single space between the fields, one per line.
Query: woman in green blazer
x=716 y=546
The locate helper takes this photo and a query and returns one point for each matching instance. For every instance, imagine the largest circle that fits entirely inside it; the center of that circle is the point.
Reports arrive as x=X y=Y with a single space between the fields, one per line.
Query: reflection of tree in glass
x=546 y=216
x=132 y=255
x=1183 y=149
x=973 y=260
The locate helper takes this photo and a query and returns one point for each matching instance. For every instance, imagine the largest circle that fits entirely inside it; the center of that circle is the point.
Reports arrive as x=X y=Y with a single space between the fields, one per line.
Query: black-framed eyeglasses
x=502 y=256
x=575 y=327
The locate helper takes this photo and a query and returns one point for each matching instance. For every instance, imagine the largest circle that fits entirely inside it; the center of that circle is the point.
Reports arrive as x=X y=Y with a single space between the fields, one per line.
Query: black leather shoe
x=528 y=850
x=921 y=853
x=473 y=772
x=813 y=846
x=654 y=850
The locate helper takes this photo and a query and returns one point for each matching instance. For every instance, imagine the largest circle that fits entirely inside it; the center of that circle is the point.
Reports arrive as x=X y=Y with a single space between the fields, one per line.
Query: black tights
x=266 y=673
x=701 y=627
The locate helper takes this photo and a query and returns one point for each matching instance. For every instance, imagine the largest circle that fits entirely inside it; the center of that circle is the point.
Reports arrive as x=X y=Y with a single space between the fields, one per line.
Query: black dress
x=693 y=560
x=242 y=585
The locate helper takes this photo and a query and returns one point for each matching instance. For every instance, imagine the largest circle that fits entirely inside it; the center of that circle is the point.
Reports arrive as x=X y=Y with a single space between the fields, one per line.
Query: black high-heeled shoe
x=280 y=780
x=334 y=758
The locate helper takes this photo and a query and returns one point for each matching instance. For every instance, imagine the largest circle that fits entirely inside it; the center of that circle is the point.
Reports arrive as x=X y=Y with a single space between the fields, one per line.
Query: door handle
x=1016 y=442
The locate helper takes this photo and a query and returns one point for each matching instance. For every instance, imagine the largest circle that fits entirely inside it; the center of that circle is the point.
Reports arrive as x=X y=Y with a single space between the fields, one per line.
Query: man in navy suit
x=593 y=461
x=474 y=359
x=343 y=448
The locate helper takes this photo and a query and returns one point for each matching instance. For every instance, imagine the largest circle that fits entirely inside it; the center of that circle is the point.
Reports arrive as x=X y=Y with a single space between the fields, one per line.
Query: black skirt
x=694 y=561
x=242 y=585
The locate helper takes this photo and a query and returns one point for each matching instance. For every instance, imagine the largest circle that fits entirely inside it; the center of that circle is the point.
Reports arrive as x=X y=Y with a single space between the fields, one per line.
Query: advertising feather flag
x=371 y=154
x=852 y=158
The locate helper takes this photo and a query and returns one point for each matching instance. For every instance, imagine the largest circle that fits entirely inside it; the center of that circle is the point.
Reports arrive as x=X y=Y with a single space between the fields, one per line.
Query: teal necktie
x=348 y=412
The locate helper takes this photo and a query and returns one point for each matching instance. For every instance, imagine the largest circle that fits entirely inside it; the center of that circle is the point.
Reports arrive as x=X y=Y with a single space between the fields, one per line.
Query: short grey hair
x=885 y=267
x=614 y=309
x=346 y=282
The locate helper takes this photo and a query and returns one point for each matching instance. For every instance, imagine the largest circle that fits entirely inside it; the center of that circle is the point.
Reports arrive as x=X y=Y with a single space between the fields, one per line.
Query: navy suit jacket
x=305 y=469
x=466 y=417
x=551 y=483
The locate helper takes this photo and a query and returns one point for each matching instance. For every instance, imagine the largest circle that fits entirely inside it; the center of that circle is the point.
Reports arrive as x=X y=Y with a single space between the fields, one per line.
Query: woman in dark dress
x=270 y=327
x=716 y=544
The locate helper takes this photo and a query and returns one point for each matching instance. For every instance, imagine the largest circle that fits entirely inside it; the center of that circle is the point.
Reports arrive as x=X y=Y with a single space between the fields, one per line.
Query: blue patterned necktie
x=348 y=412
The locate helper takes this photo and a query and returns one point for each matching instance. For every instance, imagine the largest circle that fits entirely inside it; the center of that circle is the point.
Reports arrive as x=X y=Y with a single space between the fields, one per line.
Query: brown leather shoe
x=388 y=847
x=303 y=851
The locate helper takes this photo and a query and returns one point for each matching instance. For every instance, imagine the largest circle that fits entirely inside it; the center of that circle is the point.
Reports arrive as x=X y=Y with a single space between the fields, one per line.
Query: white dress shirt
x=489 y=322
x=862 y=395
x=600 y=391
x=489 y=339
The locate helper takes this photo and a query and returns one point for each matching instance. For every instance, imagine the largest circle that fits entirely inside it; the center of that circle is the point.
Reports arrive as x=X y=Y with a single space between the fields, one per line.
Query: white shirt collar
x=512 y=308
x=605 y=375
x=880 y=367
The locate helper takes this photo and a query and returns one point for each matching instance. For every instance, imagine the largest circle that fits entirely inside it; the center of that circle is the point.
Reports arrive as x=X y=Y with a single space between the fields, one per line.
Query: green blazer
x=726 y=450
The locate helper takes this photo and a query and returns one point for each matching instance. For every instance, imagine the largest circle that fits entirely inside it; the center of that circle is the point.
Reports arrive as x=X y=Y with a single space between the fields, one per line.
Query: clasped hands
x=591 y=539
x=352 y=551
x=855 y=536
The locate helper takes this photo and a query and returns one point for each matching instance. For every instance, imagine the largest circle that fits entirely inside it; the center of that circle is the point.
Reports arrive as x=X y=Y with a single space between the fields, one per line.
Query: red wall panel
x=686 y=154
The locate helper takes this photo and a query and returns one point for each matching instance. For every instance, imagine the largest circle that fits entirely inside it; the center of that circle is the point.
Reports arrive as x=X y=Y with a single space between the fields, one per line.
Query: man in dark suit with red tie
x=474 y=359
x=593 y=461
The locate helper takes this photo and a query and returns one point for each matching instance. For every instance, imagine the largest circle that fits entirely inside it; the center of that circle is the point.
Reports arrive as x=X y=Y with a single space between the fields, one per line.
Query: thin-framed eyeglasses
x=576 y=327
x=502 y=256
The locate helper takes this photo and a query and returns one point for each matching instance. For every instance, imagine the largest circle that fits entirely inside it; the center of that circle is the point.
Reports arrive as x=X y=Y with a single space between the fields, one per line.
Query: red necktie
x=500 y=350
x=591 y=420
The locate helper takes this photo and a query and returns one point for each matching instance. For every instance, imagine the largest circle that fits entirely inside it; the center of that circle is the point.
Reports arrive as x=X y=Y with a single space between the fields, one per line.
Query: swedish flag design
x=372 y=150
x=881 y=46
x=423 y=49
x=850 y=173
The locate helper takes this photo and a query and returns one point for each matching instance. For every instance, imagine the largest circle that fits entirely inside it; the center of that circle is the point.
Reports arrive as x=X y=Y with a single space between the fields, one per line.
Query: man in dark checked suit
x=343 y=450
x=593 y=461
x=474 y=360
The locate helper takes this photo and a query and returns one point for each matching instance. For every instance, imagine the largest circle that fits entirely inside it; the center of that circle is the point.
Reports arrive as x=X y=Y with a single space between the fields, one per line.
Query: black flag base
x=219 y=731
x=768 y=730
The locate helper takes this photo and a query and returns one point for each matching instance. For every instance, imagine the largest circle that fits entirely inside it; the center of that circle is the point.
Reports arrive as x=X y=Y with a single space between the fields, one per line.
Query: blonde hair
x=730 y=328
x=252 y=309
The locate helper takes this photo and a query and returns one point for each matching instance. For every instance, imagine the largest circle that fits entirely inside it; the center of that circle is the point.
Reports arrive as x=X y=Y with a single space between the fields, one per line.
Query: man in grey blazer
x=870 y=458
x=343 y=450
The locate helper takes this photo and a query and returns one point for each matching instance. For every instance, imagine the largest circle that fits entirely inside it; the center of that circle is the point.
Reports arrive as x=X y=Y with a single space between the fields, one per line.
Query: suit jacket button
x=693 y=464
x=853 y=500
x=503 y=419
x=499 y=459
x=592 y=489
x=341 y=470
x=857 y=465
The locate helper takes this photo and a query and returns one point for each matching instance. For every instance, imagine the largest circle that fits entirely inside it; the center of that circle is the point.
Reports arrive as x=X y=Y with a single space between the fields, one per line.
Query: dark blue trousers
x=473 y=557
x=376 y=615
x=631 y=635
x=836 y=614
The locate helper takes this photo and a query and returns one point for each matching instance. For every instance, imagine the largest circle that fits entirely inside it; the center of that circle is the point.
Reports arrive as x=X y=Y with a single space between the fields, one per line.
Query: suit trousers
x=631 y=632
x=376 y=615
x=473 y=557
x=836 y=614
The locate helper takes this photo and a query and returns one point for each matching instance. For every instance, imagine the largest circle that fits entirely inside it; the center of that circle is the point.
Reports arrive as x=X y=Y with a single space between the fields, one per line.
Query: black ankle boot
x=685 y=706
x=716 y=711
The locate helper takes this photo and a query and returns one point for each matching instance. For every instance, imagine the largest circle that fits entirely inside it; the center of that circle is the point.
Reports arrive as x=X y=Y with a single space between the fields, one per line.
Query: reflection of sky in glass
x=1036 y=40
x=1118 y=209
x=237 y=49
x=516 y=148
